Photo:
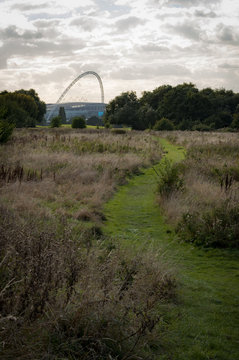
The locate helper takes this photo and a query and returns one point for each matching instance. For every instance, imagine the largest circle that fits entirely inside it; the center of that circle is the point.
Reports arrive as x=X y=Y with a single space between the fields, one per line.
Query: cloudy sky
x=132 y=44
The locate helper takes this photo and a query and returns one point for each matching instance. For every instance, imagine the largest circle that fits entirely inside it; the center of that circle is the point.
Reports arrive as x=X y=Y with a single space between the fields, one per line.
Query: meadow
x=118 y=245
x=66 y=292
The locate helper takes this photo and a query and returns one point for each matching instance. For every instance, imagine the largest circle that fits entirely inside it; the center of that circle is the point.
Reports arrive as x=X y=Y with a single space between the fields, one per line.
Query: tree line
x=181 y=107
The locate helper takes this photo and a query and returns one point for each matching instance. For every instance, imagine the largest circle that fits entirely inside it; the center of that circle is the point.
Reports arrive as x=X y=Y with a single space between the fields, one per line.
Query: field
x=66 y=291
x=98 y=257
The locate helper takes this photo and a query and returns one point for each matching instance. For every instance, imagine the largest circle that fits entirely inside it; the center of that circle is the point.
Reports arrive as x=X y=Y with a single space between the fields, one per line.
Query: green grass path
x=204 y=324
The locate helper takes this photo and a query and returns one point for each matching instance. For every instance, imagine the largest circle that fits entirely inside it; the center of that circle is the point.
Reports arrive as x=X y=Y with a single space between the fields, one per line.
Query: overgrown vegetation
x=205 y=210
x=97 y=303
x=66 y=292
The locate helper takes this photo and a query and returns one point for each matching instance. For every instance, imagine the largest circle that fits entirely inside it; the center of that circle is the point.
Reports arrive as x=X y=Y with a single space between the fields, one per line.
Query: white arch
x=73 y=83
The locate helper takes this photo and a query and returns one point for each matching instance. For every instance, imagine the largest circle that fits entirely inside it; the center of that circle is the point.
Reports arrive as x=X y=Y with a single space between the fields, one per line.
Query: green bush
x=163 y=124
x=218 y=227
x=6 y=130
x=78 y=122
x=171 y=178
x=56 y=121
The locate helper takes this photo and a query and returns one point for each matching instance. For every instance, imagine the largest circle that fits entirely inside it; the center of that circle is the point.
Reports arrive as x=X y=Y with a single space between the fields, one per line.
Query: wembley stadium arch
x=87 y=109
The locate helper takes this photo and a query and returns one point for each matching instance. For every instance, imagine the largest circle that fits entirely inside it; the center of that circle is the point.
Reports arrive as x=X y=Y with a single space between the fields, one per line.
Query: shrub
x=164 y=124
x=218 y=227
x=56 y=121
x=170 y=178
x=78 y=122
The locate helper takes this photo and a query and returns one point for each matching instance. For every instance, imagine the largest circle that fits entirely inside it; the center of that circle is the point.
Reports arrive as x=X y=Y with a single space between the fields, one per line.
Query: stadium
x=72 y=109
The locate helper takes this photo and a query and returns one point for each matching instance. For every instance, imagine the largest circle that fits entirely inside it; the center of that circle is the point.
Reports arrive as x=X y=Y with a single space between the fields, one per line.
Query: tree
x=78 y=122
x=55 y=122
x=123 y=109
x=41 y=106
x=147 y=117
x=164 y=124
x=62 y=114
x=23 y=107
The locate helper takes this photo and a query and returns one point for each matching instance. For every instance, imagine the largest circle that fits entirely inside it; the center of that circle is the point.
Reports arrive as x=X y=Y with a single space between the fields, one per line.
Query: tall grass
x=206 y=212
x=65 y=292
x=73 y=171
x=80 y=302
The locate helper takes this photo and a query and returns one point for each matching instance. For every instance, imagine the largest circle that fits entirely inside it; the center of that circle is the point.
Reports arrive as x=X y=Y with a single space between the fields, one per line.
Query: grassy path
x=205 y=322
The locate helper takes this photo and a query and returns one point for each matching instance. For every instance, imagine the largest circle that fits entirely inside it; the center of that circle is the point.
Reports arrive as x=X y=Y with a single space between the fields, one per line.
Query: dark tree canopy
x=22 y=108
x=186 y=107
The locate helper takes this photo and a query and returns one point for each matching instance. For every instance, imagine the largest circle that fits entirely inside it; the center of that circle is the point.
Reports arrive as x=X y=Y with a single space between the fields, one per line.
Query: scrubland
x=65 y=290
x=200 y=196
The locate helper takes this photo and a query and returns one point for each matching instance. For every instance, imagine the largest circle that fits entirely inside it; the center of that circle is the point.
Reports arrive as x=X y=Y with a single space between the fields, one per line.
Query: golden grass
x=211 y=179
x=79 y=169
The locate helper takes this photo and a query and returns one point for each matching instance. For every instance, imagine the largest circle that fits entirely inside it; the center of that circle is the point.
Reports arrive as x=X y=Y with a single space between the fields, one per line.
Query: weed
x=170 y=178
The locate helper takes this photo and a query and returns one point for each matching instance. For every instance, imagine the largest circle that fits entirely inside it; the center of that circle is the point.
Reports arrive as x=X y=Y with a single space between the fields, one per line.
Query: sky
x=132 y=44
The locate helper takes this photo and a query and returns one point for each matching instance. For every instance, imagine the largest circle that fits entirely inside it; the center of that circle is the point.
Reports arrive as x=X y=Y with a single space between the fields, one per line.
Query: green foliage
x=22 y=107
x=164 y=124
x=55 y=122
x=78 y=122
x=184 y=105
x=235 y=122
x=62 y=114
x=170 y=177
x=123 y=111
x=218 y=227
x=41 y=106
x=6 y=130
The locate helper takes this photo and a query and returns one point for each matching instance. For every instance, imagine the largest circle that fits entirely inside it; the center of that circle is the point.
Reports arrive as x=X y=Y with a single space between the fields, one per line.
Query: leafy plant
x=78 y=122
x=55 y=122
x=218 y=227
x=170 y=178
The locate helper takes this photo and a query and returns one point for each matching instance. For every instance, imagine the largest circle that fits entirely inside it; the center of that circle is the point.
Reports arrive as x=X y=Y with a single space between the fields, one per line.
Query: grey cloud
x=150 y=72
x=11 y=32
x=189 y=3
x=227 y=35
x=204 y=14
x=30 y=7
x=151 y=47
x=46 y=23
x=229 y=66
x=187 y=30
x=61 y=48
x=86 y=23
x=129 y=22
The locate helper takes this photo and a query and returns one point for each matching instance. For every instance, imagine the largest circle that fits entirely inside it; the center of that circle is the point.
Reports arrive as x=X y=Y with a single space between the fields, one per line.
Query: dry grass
x=211 y=186
x=74 y=170
x=193 y=138
x=63 y=298
x=65 y=291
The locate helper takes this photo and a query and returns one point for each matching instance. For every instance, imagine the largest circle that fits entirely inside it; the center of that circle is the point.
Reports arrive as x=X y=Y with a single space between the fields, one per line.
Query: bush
x=218 y=227
x=78 y=122
x=56 y=122
x=163 y=124
x=170 y=178
x=6 y=130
